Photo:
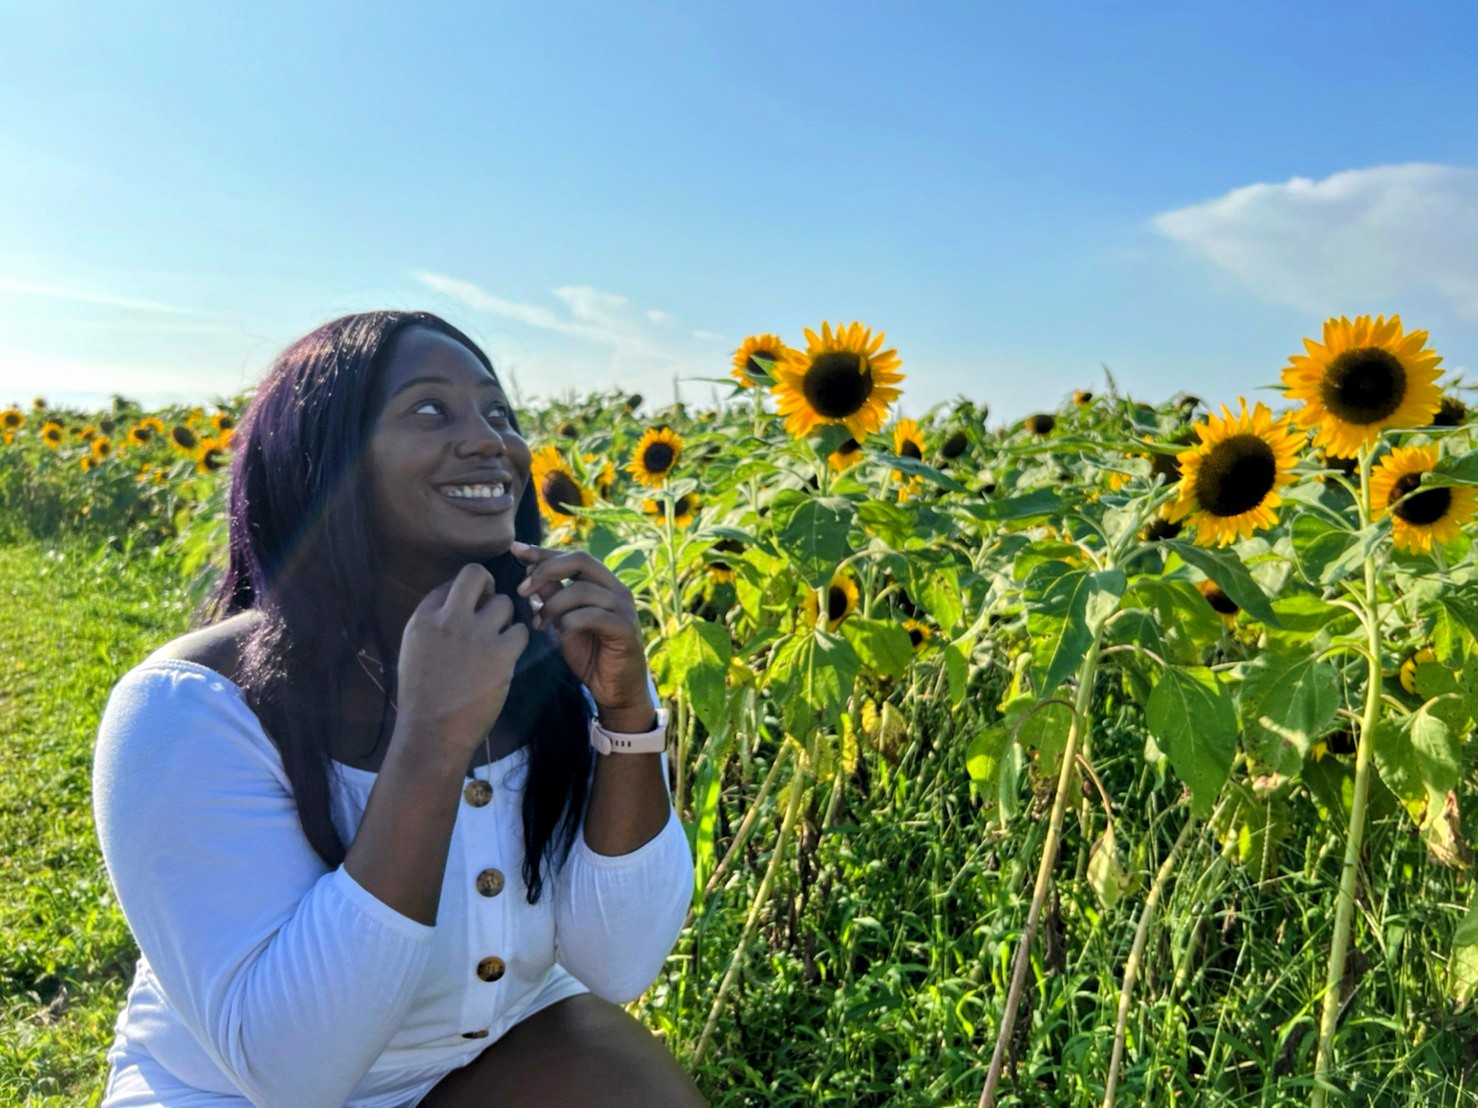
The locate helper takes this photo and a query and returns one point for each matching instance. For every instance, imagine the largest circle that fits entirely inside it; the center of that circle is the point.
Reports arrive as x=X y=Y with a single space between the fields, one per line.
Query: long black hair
x=302 y=555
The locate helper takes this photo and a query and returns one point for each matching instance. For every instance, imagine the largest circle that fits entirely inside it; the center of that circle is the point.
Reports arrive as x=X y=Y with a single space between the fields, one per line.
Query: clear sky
x=616 y=195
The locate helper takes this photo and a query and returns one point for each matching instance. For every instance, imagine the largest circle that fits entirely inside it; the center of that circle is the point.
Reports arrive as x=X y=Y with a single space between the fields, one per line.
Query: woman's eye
x=499 y=411
x=426 y=404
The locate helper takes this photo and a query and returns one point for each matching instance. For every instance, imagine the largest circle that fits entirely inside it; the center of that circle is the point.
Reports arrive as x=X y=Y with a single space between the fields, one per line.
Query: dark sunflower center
x=12 y=420
x=910 y=449
x=1421 y=508
x=560 y=492
x=954 y=446
x=682 y=507
x=657 y=458
x=1221 y=602
x=719 y=566
x=836 y=602
x=837 y=384
x=915 y=636
x=753 y=368
x=212 y=459
x=1166 y=466
x=1364 y=385
x=1236 y=475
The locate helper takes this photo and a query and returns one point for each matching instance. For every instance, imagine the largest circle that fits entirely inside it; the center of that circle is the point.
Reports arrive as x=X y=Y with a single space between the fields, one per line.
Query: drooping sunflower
x=1041 y=424
x=954 y=446
x=1418 y=515
x=1423 y=657
x=842 y=377
x=846 y=455
x=918 y=633
x=749 y=372
x=908 y=443
x=51 y=434
x=1363 y=378
x=1452 y=412
x=11 y=418
x=683 y=509
x=557 y=489
x=1082 y=398
x=656 y=455
x=184 y=438
x=1229 y=483
x=209 y=456
x=1222 y=604
x=841 y=599
x=720 y=569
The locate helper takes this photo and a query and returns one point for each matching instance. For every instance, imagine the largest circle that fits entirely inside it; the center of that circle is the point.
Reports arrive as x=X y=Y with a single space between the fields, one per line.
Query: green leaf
x=1455 y=626
x=889 y=523
x=956 y=672
x=1227 y=570
x=1466 y=932
x=1396 y=761
x=1286 y=700
x=1193 y=720
x=819 y=670
x=983 y=755
x=1082 y=601
x=1439 y=756
x=884 y=647
x=1453 y=471
x=1106 y=877
x=698 y=659
x=705 y=806
x=1038 y=502
x=920 y=469
x=1353 y=556
x=1317 y=541
x=938 y=590
x=811 y=531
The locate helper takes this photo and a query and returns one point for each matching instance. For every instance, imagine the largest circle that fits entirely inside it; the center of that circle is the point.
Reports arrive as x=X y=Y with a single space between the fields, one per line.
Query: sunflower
x=102 y=447
x=656 y=455
x=1418 y=515
x=140 y=434
x=1364 y=377
x=223 y=421
x=1423 y=657
x=1229 y=483
x=841 y=378
x=683 y=509
x=720 y=569
x=1159 y=529
x=1040 y=424
x=918 y=633
x=210 y=456
x=39 y=403
x=954 y=446
x=87 y=462
x=1222 y=604
x=86 y=434
x=1082 y=398
x=557 y=489
x=51 y=434
x=184 y=438
x=605 y=480
x=841 y=598
x=908 y=443
x=11 y=418
x=1452 y=412
x=568 y=430
x=749 y=372
x=1340 y=742
x=846 y=455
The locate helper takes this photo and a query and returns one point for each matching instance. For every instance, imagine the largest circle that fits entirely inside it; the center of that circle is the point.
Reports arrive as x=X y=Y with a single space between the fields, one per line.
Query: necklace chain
x=363 y=657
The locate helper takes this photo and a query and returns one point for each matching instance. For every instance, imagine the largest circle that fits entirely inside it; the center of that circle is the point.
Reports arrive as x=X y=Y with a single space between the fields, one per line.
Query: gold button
x=490 y=969
x=474 y=1034
x=490 y=882
x=477 y=793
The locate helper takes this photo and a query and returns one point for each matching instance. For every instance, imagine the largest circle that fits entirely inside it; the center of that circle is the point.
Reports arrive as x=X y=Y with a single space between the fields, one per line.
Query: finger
x=582 y=594
x=471 y=584
x=498 y=611
x=573 y=565
x=530 y=554
x=608 y=624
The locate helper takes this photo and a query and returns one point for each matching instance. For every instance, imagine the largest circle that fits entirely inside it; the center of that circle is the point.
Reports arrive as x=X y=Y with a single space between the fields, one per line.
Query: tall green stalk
x=1345 y=902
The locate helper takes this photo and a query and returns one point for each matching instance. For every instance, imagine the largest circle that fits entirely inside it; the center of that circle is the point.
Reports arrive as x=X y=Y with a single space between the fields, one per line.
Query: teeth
x=476 y=492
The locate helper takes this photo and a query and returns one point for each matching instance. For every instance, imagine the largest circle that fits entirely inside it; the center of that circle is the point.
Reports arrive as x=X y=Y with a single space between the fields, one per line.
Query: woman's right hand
x=456 y=659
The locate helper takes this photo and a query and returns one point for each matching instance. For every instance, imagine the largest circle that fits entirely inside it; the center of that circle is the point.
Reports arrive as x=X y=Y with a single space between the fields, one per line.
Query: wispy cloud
x=12 y=286
x=591 y=315
x=1356 y=238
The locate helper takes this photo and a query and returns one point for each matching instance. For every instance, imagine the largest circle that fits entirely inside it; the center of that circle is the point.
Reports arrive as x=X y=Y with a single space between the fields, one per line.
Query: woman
x=356 y=821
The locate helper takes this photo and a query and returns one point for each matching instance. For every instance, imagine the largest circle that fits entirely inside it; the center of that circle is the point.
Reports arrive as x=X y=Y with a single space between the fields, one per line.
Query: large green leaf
x=1077 y=603
x=818 y=670
x=1286 y=700
x=701 y=831
x=698 y=660
x=1317 y=541
x=811 y=531
x=1031 y=505
x=883 y=647
x=1227 y=570
x=1193 y=719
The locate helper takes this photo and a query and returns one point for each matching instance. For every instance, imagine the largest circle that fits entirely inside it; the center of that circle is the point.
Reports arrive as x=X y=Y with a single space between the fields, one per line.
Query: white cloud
x=1358 y=238
x=658 y=316
x=13 y=286
x=708 y=336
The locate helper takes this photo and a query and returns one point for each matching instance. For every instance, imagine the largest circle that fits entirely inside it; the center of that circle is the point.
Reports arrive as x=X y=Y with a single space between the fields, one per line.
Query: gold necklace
x=361 y=659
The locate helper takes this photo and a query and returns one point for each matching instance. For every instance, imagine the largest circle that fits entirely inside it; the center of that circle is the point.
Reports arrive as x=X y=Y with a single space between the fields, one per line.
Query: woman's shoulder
x=217 y=646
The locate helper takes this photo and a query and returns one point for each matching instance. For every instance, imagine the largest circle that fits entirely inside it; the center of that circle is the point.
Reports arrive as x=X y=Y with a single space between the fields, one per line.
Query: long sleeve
x=616 y=918
x=293 y=978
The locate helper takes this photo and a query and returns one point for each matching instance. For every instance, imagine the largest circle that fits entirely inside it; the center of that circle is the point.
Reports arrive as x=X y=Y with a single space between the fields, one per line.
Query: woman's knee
x=581 y=1050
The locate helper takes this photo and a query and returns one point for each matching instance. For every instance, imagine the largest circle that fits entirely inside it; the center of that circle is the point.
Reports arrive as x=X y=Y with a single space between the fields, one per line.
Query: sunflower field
x=1124 y=754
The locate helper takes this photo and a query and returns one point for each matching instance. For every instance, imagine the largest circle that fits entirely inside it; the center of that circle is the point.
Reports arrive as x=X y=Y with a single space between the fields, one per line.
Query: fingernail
x=523 y=586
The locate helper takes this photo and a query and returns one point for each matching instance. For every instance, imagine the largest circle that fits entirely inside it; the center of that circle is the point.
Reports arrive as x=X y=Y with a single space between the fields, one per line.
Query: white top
x=263 y=974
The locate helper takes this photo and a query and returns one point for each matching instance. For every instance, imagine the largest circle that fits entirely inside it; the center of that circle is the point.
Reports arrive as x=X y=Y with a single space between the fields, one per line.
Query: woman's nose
x=483 y=440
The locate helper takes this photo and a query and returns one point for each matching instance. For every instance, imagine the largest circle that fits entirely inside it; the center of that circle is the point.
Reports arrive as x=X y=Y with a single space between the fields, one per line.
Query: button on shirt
x=263 y=974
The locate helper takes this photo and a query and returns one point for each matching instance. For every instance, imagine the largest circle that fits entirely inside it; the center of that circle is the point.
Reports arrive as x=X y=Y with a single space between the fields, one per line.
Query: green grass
x=878 y=971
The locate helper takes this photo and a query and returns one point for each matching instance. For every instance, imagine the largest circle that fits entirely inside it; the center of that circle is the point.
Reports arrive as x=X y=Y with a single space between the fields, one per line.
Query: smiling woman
x=372 y=672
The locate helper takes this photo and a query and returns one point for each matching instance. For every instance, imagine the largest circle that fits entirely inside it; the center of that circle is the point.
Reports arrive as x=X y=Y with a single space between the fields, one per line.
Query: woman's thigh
x=578 y=1051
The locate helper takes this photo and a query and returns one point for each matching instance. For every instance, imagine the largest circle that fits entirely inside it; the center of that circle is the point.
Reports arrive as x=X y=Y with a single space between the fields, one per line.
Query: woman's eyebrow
x=433 y=379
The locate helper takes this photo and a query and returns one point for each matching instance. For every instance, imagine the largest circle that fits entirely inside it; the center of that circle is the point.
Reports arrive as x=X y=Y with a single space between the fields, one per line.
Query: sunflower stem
x=1345 y=900
x=1086 y=675
x=677 y=608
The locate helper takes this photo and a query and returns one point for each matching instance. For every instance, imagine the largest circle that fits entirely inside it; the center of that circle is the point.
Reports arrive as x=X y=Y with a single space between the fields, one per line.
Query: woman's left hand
x=595 y=622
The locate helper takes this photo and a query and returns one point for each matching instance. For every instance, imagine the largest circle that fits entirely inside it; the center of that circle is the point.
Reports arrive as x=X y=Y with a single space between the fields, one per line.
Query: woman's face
x=446 y=468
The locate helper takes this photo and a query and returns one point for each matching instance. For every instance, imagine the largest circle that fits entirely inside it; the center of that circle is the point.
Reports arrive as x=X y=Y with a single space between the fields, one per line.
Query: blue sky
x=615 y=196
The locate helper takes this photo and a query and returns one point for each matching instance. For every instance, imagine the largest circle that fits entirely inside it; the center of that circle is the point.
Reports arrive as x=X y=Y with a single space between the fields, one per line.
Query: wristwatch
x=613 y=742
